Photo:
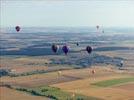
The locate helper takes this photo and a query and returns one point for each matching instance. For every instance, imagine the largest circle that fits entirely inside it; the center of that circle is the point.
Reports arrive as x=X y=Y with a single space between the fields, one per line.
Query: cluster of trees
x=34 y=92
x=4 y=72
x=28 y=73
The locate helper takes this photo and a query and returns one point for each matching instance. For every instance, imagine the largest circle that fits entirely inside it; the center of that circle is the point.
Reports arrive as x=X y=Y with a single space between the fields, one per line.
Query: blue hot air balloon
x=89 y=49
x=65 y=49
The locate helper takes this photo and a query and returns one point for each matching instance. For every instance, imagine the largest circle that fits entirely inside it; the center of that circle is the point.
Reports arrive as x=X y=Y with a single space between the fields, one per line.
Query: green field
x=55 y=93
x=112 y=82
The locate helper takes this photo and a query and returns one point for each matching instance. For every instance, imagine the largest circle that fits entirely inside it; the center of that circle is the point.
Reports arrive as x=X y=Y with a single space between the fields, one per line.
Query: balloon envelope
x=77 y=44
x=59 y=72
x=93 y=71
x=89 y=49
x=65 y=49
x=97 y=26
x=55 y=48
x=17 y=28
x=121 y=63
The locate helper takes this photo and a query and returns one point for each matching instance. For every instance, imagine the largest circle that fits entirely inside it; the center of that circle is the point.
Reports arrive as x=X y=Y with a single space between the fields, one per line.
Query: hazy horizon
x=59 y=13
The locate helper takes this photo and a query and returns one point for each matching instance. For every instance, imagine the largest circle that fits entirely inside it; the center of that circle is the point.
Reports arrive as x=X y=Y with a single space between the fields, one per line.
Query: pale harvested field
x=37 y=80
x=28 y=64
x=31 y=80
x=53 y=78
x=85 y=83
x=10 y=94
x=83 y=86
x=27 y=69
x=19 y=61
x=108 y=93
x=128 y=86
x=79 y=81
x=23 y=64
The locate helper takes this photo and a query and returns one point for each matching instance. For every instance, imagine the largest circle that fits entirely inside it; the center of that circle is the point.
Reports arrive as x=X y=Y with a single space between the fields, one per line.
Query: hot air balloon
x=93 y=71
x=65 y=49
x=97 y=27
x=55 y=48
x=121 y=63
x=17 y=28
x=89 y=49
x=103 y=31
x=59 y=73
x=73 y=95
x=77 y=44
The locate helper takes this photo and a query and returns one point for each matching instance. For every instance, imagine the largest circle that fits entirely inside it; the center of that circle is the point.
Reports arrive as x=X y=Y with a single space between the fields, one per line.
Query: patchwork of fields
x=29 y=70
x=80 y=81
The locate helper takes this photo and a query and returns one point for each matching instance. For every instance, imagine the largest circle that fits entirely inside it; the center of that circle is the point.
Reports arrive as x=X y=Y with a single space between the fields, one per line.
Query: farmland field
x=108 y=83
x=29 y=70
x=9 y=94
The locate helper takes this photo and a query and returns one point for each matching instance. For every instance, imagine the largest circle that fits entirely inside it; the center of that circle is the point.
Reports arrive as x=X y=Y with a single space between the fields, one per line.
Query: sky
x=68 y=13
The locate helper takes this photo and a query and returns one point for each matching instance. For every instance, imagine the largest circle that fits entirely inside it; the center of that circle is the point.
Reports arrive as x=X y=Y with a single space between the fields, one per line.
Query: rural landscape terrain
x=30 y=70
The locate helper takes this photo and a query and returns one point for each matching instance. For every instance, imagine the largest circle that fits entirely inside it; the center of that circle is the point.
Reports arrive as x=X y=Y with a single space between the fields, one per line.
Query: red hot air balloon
x=55 y=48
x=89 y=49
x=65 y=49
x=93 y=71
x=17 y=28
